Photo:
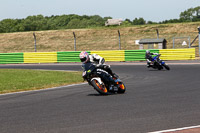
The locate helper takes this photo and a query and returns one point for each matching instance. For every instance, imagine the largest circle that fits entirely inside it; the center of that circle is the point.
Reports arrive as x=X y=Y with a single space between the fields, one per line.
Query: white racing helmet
x=84 y=56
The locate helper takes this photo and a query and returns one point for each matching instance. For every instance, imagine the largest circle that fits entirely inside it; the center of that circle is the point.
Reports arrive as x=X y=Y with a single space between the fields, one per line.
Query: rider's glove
x=106 y=67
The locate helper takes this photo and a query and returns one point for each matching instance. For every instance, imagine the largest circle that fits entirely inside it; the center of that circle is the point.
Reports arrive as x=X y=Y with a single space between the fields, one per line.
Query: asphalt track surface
x=154 y=100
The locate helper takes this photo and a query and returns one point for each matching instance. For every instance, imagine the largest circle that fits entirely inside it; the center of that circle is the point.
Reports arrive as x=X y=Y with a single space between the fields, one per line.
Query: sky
x=150 y=10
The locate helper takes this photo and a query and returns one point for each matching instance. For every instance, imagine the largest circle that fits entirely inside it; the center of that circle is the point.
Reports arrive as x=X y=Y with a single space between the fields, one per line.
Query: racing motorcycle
x=157 y=63
x=100 y=80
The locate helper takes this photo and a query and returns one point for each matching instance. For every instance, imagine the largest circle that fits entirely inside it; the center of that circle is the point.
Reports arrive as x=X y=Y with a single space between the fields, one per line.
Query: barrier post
x=35 y=41
x=157 y=33
x=119 y=40
x=189 y=42
x=74 y=41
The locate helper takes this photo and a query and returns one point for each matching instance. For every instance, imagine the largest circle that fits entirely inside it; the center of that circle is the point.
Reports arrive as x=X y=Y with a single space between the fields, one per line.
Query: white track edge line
x=60 y=87
x=177 y=129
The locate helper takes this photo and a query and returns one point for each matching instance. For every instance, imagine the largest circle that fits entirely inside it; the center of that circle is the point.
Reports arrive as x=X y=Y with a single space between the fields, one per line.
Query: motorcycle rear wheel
x=100 y=88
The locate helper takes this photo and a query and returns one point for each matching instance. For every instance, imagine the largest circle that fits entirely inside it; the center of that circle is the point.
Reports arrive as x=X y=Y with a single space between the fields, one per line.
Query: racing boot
x=115 y=75
x=148 y=65
x=108 y=69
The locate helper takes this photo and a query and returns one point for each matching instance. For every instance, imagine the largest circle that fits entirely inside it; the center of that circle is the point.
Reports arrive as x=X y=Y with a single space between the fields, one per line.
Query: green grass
x=14 y=80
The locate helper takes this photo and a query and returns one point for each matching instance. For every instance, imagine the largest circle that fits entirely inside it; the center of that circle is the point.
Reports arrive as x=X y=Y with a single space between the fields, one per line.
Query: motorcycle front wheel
x=121 y=88
x=166 y=67
x=101 y=88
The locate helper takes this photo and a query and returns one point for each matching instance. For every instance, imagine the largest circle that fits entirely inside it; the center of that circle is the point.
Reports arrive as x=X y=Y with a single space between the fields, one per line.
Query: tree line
x=73 y=21
x=39 y=22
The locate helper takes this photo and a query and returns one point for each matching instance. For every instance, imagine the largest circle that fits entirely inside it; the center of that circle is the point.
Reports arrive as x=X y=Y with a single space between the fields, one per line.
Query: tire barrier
x=109 y=55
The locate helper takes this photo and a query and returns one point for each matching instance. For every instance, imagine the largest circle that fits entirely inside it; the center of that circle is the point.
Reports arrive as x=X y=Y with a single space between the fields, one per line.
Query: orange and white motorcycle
x=101 y=80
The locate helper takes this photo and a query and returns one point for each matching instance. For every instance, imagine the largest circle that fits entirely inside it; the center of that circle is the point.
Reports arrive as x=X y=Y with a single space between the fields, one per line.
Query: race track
x=154 y=100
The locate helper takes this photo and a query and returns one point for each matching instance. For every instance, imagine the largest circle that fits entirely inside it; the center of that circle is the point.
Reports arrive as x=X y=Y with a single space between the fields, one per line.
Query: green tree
x=35 y=23
x=191 y=14
x=83 y=23
x=151 y=22
x=8 y=25
x=127 y=23
x=139 y=21
x=74 y=24
x=99 y=21
x=128 y=20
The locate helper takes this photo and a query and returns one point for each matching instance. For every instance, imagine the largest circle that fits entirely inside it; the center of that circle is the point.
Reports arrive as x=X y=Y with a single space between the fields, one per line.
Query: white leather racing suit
x=100 y=62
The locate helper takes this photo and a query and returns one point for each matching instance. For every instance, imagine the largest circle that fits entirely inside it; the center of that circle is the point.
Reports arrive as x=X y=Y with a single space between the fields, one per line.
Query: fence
x=181 y=42
x=113 y=55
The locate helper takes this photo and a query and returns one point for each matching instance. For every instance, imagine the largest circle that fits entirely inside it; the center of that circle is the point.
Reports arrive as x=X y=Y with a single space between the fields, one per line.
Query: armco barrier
x=40 y=57
x=177 y=54
x=71 y=56
x=11 y=58
x=137 y=55
x=114 y=55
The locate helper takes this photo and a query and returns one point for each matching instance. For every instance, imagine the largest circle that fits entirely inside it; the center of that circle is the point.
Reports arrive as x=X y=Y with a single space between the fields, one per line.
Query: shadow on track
x=97 y=95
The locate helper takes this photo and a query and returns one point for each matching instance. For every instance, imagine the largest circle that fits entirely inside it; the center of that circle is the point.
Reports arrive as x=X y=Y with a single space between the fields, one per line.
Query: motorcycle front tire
x=121 y=88
x=166 y=66
x=100 y=88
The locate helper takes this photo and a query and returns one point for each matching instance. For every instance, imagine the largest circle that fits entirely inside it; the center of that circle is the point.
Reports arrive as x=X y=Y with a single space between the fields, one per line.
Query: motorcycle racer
x=98 y=60
x=149 y=57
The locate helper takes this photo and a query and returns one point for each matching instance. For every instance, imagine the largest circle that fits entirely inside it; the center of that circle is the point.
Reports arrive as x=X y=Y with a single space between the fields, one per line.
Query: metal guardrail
x=109 y=55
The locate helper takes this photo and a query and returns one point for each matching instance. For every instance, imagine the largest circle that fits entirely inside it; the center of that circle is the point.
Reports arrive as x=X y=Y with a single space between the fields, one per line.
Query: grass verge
x=14 y=80
x=105 y=38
